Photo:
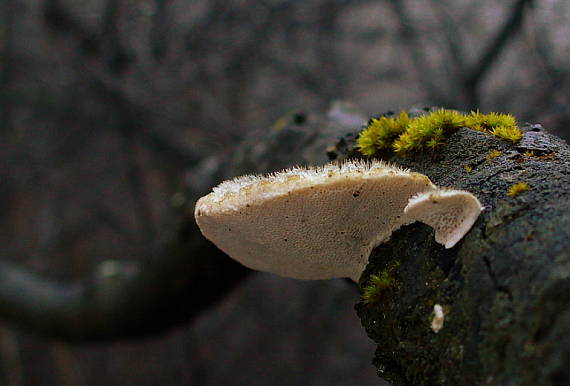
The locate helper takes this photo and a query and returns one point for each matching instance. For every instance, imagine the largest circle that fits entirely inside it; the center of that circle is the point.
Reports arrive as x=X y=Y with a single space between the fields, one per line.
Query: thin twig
x=10 y=358
x=410 y=37
x=496 y=46
x=66 y=364
x=7 y=65
x=159 y=30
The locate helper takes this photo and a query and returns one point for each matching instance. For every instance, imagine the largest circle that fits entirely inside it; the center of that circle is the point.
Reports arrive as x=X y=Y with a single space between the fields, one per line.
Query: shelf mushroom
x=451 y=213
x=323 y=222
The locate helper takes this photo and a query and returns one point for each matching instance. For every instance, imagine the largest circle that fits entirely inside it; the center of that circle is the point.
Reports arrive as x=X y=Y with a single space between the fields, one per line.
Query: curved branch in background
x=121 y=299
x=7 y=64
x=498 y=44
x=59 y=20
x=492 y=309
x=159 y=30
x=116 y=54
x=411 y=37
x=473 y=76
x=178 y=280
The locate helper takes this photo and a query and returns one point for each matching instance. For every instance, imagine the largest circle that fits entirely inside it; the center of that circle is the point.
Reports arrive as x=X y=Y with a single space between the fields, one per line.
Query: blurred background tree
x=106 y=104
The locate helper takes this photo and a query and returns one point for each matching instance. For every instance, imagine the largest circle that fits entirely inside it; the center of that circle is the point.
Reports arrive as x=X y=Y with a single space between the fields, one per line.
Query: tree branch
x=121 y=299
x=178 y=279
x=504 y=289
x=7 y=65
x=159 y=30
x=498 y=44
x=59 y=20
x=410 y=36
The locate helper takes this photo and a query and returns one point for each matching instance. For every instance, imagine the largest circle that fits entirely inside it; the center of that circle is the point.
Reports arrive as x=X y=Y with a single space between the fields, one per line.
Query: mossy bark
x=505 y=288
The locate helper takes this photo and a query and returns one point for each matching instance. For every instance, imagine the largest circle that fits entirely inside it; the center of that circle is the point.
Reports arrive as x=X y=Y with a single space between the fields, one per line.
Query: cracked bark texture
x=505 y=288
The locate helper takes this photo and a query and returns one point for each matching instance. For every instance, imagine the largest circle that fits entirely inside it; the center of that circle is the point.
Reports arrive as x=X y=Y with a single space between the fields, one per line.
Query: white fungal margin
x=301 y=176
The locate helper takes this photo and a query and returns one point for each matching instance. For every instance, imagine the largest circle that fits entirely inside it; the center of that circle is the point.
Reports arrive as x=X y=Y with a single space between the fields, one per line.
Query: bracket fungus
x=323 y=222
x=451 y=213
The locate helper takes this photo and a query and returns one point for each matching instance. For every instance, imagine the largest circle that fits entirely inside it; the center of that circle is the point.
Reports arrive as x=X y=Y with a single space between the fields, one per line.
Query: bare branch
x=7 y=64
x=159 y=30
x=498 y=44
x=11 y=369
x=122 y=299
x=117 y=56
x=410 y=35
x=152 y=139
x=178 y=279
x=60 y=20
x=452 y=38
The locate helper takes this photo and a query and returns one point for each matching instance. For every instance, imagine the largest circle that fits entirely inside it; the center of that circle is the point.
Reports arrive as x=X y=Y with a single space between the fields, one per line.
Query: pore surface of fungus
x=312 y=223
x=450 y=212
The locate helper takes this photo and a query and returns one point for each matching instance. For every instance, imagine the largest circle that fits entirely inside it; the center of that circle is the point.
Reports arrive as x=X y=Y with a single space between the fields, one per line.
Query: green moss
x=517 y=189
x=381 y=133
x=428 y=131
x=379 y=285
x=403 y=135
x=500 y=125
x=493 y=154
x=510 y=133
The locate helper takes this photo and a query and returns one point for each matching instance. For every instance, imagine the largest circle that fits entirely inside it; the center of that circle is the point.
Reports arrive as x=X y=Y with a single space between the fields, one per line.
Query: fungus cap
x=450 y=212
x=310 y=223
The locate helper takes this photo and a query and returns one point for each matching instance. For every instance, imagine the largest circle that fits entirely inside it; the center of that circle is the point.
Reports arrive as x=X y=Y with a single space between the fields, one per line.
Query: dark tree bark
x=504 y=289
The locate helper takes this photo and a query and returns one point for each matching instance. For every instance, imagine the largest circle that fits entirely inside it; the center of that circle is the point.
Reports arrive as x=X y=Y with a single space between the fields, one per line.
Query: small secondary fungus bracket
x=450 y=212
x=323 y=222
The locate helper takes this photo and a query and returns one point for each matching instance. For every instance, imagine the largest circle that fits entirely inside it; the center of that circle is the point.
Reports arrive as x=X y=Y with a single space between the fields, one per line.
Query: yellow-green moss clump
x=501 y=125
x=517 y=189
x=381 y=133
x=430 y=131
x=493 y=154
x=378 y=285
